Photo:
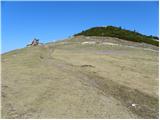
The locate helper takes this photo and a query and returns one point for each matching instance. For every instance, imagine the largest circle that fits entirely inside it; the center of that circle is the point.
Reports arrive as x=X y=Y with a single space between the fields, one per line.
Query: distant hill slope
x=118 y=32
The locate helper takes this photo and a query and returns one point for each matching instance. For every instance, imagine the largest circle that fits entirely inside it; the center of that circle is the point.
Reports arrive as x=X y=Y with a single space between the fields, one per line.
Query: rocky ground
x=81 y=77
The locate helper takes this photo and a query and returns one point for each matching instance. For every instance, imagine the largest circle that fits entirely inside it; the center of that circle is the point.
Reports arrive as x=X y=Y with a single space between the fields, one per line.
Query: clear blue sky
x=49 y=21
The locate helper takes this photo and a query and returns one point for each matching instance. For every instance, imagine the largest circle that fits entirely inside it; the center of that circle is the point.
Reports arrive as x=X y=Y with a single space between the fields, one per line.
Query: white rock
x=108 y=43
x=134 y=105
x=88 y=42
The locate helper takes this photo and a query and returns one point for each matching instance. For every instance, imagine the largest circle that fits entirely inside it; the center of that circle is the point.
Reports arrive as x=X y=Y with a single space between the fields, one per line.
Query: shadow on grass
x=146 y=106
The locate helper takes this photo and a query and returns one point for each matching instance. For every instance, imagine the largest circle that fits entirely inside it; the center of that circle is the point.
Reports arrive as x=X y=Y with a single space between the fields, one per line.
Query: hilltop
x=118 y=32
x=81 y=77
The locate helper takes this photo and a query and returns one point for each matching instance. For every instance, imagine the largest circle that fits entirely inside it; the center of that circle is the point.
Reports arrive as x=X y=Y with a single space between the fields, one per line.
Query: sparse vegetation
x=118 y=32
x=67 y=79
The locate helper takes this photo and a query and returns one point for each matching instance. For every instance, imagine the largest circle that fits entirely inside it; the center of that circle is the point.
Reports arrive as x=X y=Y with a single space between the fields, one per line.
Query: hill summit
x=118 y=32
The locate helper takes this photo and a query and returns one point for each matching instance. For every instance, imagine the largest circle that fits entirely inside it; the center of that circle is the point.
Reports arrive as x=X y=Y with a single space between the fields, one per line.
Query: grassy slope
x=75 y=81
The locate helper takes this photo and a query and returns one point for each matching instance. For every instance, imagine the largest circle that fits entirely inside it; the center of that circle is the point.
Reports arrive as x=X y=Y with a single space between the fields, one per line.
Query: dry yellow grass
x=71 y=80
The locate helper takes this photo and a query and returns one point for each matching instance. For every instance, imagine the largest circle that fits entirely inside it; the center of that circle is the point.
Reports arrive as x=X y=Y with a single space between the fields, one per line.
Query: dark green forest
x=118 y=32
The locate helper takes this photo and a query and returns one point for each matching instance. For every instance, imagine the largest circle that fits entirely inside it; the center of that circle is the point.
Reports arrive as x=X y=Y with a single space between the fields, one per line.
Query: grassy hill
x=68 y=79
x=118 y=32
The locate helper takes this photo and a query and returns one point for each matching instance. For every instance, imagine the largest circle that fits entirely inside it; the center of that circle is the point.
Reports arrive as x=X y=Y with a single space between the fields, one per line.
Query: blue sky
x=50 y=21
